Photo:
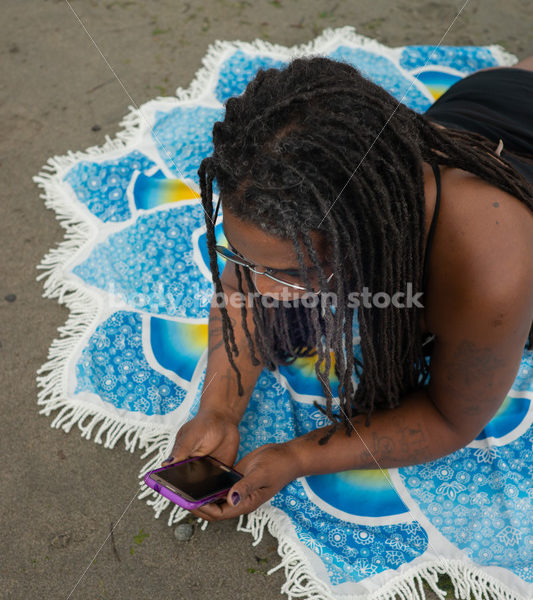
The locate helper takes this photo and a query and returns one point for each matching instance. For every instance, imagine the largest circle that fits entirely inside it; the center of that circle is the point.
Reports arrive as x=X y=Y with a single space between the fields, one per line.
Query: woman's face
x=269 y=252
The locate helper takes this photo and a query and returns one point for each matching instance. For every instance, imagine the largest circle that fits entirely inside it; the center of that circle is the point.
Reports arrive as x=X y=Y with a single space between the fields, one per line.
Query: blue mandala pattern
x=385 y=73
x=482 y=500
x=268 y=418
x=183 y=137
x=466 y=59
x=113 y=366
x=349 y=551
x=150 y=265
x=101 y=186
x=237 y=70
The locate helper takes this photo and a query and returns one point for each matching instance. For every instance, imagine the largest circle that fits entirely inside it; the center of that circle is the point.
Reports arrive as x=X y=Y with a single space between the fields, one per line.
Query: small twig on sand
x=97 y=87
x=113 y=544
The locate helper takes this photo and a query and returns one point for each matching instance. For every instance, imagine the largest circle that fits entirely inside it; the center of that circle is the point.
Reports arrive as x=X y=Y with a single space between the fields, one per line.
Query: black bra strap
x=436 y=172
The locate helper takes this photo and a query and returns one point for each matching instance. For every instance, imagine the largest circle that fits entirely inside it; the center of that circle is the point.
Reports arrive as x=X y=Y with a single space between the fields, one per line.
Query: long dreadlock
x=283 y=159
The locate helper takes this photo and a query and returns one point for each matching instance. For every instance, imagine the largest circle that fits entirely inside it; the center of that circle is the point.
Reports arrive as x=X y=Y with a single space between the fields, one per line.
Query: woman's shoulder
x=482 y=249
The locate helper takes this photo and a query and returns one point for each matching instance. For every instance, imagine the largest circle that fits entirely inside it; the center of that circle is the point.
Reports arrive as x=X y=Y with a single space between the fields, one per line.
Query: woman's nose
x=272 y=289
x=266 y=286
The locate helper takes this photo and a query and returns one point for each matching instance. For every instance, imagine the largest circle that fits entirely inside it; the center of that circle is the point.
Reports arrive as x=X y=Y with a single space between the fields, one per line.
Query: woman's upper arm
x=478 y=350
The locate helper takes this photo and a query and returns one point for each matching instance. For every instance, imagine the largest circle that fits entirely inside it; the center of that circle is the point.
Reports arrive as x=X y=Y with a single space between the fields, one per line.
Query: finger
x=184 y=449
x=210 y=512
x=199 y=513
x=220 y=510
x=204 y=512
x=173 y=458
x=244 y=488
x=243 y=507
x=180 y=451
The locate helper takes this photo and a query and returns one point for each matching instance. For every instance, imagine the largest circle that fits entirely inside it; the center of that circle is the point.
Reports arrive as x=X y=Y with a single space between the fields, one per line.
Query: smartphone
x=193 y=482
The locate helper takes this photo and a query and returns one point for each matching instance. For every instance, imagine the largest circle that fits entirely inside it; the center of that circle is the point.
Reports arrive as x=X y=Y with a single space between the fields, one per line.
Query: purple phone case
x=179 y=500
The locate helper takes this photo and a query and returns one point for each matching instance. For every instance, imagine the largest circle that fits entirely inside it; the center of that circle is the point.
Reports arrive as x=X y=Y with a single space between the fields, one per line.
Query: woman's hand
x=265 y=471
x=209 y=432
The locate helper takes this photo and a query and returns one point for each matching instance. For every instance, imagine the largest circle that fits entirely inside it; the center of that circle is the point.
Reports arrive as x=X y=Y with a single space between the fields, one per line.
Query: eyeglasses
x=288 y=277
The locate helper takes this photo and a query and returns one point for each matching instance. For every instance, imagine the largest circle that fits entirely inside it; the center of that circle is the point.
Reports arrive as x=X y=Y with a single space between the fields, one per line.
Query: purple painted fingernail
x=169 y=459
x=235 y=498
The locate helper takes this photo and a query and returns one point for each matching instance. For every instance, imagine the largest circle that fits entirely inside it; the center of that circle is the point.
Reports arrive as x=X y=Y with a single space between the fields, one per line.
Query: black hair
x=284 y=160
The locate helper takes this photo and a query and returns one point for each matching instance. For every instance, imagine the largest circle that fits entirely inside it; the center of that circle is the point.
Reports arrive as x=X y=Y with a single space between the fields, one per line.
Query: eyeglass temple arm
x=216 y=211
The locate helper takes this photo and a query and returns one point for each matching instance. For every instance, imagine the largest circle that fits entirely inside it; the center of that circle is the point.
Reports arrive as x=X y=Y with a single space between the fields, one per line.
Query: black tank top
x=496 y=104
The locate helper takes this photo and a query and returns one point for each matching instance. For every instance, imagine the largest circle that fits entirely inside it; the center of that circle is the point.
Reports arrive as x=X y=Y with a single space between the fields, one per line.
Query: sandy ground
x=60 y=493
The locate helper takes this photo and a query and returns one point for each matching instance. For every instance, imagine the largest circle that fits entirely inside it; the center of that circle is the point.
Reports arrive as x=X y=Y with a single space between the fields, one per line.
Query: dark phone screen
x=199 y=478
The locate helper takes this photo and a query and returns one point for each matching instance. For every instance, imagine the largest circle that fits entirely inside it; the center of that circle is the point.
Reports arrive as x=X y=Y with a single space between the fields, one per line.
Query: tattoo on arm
x=404 y=443
x=216 y=332
x=407 y=442
x=226 y=379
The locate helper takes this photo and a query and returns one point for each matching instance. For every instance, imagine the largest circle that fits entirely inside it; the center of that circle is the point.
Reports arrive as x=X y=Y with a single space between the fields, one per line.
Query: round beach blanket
x=130 y=364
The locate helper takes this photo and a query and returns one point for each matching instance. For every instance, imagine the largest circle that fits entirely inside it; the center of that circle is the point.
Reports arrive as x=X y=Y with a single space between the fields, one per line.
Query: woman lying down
x=343 y=206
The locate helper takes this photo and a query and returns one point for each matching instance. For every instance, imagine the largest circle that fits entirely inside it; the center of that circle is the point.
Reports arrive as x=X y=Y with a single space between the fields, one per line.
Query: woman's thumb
x=239 y=492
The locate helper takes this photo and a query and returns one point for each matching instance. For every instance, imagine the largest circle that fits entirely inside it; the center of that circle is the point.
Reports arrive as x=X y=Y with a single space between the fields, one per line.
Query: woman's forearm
x=414 y=432
x=220 y=385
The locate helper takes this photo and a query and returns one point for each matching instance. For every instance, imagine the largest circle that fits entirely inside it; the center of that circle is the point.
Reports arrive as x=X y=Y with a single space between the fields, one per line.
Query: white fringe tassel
x=85 y=306
x=469 y=582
